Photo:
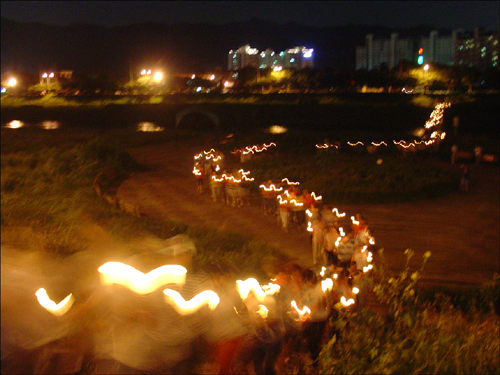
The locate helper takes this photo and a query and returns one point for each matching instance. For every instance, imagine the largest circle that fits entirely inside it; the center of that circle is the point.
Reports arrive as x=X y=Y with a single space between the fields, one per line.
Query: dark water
x=479 y=117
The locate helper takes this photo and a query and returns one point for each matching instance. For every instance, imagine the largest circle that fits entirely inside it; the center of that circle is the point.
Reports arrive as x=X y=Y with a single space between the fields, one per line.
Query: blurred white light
x=50 y=125
x=143 y=71
x=11 y=82
x=212 y=77
x=148 y=127
x=277 y=129
x=226 y=84
x=149 y=71
x=51 y=75
x=15 y=124
x=193 y=76
x=198 y=89
x=3 y=89
x=158 y=76
x=44 y=75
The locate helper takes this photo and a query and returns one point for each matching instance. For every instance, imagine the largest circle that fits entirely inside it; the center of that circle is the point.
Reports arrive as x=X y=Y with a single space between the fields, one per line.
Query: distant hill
x=181 y=47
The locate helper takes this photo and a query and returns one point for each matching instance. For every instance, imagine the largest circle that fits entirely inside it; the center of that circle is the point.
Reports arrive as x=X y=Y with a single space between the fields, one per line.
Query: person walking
x=330 y=248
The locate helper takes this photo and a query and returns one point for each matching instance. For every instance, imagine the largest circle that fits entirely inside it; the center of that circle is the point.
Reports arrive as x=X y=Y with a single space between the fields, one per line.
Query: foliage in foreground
x=432 y=337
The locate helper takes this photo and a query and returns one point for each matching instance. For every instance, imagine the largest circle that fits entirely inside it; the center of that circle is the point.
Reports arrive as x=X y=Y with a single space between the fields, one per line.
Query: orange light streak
x=57 y=309
x=183 y=307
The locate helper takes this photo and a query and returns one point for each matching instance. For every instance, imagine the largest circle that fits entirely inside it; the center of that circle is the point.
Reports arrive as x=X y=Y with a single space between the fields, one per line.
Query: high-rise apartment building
x=460 y=48
x=295 y=58
x=242 y=57
x=480 y=49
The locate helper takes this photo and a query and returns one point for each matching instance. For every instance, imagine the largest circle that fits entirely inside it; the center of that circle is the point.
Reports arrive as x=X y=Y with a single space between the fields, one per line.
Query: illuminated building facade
x=435 y=48
x=377 y=52
x=242 y=57
x=293 y=58
x=479 y=50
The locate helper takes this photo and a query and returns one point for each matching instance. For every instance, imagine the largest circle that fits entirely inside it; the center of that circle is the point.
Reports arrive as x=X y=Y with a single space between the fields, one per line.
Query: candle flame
x=326 y=284
x=322 y=273
x=305 y=309
x=263 y=311
x=183 y=307
x=345 y=302
x=57 y=309
x=138 y=282
x=251 y=284
x=289 y=182
x=336 y=212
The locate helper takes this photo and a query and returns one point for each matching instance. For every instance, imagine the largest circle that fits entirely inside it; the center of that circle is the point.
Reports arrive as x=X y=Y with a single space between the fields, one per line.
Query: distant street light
x=47 y=76
x=426 y=67
x=12 y=82
x=158 y=76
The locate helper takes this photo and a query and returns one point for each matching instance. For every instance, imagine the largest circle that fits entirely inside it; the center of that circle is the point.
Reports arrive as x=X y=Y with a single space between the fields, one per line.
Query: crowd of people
x=297 y=316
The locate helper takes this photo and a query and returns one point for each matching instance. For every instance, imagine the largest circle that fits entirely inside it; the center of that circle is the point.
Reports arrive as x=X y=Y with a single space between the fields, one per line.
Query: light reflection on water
x=50 y=125
x=276 y=129
x=15 y=124
x=148 y=127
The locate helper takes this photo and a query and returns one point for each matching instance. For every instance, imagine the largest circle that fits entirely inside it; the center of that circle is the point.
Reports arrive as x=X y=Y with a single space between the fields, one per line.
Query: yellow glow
x=309 y=226
x=196 y=171
x=12 y=82
x=355 y=144
x=369 y=258
x=271 y=289
x=371 y=241
x=290 y=183
x=263 y=311
x=367 y=268
x=143 y=71
x=322 y=273
x=251 y=284
x=379 y=144
x=335 y=276
x=364 y=249
x=355 y=290
x=183 y=307
x=337 y=242
x=345 y=302
x=326 y=284
x=270 y=188
x=316 y=198
x=57 y=309
x=129 y=277
x=158 y=76
x=354 y=221
x=341 y=231
x=15 y=124
x=336 y=212
x=305 y=309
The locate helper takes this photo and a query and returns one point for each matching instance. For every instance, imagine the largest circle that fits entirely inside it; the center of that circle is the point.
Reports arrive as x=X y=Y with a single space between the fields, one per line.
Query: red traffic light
x=420 y=51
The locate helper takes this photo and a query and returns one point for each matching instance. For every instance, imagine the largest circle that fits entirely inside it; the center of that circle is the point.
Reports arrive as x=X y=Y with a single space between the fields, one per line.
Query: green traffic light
x=420 y=60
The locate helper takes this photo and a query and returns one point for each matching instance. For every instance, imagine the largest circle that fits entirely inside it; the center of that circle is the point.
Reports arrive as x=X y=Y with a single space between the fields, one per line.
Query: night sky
x=398 y=14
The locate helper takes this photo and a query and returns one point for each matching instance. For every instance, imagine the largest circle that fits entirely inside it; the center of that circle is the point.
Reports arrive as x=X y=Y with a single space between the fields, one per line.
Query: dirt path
x=461 y=231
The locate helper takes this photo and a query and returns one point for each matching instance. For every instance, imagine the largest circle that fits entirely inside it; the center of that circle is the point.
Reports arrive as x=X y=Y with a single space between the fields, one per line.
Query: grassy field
x=47 y=198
